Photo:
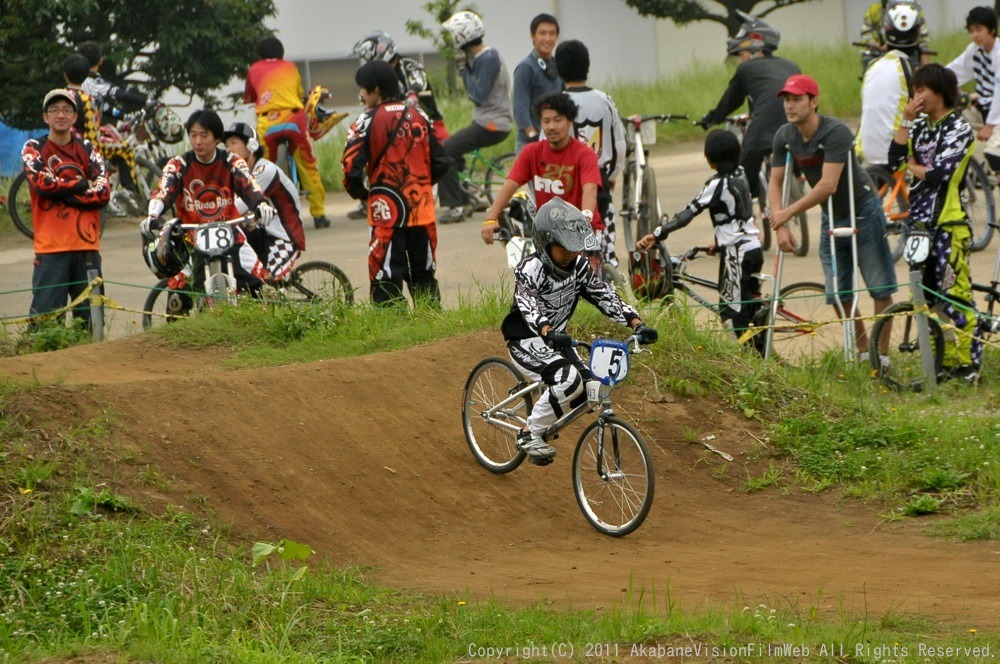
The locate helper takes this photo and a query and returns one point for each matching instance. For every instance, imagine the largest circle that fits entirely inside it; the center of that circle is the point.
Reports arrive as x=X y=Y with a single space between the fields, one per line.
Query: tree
x=195 y=46
x=441 y=11
x=683 y=12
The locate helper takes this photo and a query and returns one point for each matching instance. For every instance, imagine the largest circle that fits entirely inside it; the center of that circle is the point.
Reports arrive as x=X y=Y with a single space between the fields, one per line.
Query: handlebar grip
x=502 y=234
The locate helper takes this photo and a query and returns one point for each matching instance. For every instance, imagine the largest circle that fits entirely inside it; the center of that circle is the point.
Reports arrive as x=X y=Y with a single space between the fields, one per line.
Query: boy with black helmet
x=547 y=286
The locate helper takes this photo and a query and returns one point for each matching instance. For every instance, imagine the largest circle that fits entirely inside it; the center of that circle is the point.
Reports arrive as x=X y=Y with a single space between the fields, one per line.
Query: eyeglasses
x=60 y=110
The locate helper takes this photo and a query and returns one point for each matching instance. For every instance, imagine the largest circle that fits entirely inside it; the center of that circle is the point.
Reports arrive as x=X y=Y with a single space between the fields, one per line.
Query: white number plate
x=214 y=239
x=609 y=361
x=918 y=247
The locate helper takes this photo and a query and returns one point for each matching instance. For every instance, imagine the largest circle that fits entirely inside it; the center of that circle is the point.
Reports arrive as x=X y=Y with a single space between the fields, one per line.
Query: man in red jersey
x=69 y=186
x=204 y=184
x=274 y=86
x=560 y=166
x=393 y=146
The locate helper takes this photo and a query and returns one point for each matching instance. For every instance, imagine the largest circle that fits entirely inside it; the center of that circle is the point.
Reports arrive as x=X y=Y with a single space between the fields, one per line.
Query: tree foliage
x=683 y=12
x=195 y=46
x=441 y=11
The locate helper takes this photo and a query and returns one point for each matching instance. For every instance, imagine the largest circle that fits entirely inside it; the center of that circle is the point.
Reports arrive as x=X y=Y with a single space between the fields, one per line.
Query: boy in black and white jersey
x=726 y=196
x=548 y=284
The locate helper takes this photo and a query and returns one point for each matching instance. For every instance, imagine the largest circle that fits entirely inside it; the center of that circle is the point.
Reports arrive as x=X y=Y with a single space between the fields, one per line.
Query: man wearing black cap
x=821 y=147
x=69 y=186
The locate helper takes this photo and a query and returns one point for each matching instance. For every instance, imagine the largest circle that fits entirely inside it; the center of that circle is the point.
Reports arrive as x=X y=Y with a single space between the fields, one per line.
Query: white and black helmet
x=558 y=222
x=755 y=36
x=376 y=45
x=901 y=27
x=464 y=27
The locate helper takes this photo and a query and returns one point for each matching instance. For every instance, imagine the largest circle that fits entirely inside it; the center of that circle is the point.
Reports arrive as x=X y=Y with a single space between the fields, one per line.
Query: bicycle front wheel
x=896 y=206
x=978 y=203
x=898 y=362
x=319 y=281
x=19 y=205
x=165 y=306
x=491 y=431
x=613 y=476
x=496 y=174
x=805 y=326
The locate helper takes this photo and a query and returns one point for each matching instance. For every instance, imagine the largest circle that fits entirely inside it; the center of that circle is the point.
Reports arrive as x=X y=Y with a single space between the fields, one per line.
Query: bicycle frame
x=900 y=190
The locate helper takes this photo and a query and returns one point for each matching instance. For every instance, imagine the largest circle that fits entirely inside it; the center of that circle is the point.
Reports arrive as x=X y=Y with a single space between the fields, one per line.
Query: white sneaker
x=533 y=445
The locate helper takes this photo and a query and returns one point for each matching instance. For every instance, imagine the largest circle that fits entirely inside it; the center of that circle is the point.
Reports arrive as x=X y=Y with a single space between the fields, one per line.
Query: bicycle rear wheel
x=895 y=336
x=319 y=281
x=613 y=477
x=978 y=203
x=496 y=174
x=165 y=306
x=19 y=205
x=896 y=206
x=492 y=443
x=805 y=327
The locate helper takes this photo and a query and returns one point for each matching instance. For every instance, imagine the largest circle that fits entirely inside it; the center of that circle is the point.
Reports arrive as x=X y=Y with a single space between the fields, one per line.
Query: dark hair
x=475 y=42
x=76 y=68
x=209 y=120
x=378 y=74
x=984 y=16
x=91 y=51
x=270 y=47
x=937 y=79
x=561 y=103
x=544 y=18
x=573 y=61
x=722 y=148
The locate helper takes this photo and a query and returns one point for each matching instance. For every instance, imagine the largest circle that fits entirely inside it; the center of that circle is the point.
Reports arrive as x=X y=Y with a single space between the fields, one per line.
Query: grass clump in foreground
x=85 y=570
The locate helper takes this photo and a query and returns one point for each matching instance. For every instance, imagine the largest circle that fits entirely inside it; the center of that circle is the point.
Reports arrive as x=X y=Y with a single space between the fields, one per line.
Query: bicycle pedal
x=543 y=461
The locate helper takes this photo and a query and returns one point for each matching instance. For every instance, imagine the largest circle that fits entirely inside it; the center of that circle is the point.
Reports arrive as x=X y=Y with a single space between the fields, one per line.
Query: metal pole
x=772 y=316
x=923 y=329
x=96 y=305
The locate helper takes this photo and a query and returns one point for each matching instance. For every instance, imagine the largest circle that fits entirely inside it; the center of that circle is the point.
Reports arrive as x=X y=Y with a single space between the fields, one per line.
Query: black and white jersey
x=599 y=126
x=542 y=299
x=413 y=78
x=727 y=199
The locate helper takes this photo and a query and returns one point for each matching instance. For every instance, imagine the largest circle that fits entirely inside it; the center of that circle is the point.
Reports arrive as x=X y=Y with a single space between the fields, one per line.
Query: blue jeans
x=874 y=256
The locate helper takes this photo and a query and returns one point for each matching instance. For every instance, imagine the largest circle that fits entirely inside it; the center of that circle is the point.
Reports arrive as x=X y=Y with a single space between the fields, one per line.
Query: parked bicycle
x=213 y=279
x=977 y=201
x=799 y=224
x=612 y=468
x=804 y=327
x=485 y=175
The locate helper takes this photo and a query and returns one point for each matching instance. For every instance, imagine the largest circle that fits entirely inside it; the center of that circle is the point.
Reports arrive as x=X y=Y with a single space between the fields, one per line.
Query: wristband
x=491 y=222
x=905 y=124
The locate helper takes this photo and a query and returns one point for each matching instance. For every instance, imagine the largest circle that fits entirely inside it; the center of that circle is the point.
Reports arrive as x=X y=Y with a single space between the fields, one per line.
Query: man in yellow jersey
x=275 y=87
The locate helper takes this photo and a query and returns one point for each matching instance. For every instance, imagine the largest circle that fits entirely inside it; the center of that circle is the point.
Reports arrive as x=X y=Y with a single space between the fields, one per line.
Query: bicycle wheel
x=762 y=209
x=613 y=477
x=805 y=327
x=977 y=201
x=19 y=205
x=895 y=335
x=319 y=281
x=647 y=217
x=799 y=224
x=896 y=206
x=496 y=174
x=493 y=444
x=165 y=306
x=284 y=160
x=625 y=218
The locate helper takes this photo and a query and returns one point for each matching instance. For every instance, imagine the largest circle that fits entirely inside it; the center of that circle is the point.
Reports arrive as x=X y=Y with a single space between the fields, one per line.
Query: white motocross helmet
x=902 y=23
x=464 y=27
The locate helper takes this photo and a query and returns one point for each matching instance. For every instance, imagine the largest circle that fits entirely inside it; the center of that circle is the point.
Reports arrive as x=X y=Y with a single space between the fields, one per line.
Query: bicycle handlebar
x=248 y=217
x=662 y=117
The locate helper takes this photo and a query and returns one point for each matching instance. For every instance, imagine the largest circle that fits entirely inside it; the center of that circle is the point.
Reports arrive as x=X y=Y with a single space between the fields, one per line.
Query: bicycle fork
x=614 y=471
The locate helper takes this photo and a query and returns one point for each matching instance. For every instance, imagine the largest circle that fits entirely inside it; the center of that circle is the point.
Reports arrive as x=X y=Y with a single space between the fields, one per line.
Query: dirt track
x=364 y=459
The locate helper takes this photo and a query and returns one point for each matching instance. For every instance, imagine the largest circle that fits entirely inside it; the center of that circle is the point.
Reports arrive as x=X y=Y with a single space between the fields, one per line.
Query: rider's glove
x=411 y=99
x=705 y=122
x=149 y=227
x=264 y=214
x=461 y=58
x=558 y=341
x=645 y=334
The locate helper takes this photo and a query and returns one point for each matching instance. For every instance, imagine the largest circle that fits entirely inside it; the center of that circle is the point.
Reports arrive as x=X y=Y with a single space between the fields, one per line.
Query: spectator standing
x=980 y=62
x=274 y=86
x=400 y=168
x=68 y=184
x=535 y=78
x=820 y=147
x=487 y=85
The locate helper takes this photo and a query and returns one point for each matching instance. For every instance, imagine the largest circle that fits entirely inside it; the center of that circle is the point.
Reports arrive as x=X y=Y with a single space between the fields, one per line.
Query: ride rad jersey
x=727 y=199
x=393 y=147
x=884 y=95
x=69 y=186
x=758 y=81
x=274 y=85
x=282 y=193
x=558 y=173
x=598 y=125
x=944 y=148
x=831 y=143
x=206 y=192
x=541 y=298
x=487 y=85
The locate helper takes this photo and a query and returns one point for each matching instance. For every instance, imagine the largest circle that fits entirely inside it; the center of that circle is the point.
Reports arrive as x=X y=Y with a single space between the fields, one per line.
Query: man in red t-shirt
x=560 y=166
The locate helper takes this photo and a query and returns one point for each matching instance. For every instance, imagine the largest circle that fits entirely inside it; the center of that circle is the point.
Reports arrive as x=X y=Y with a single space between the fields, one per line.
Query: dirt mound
x=365 y=460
